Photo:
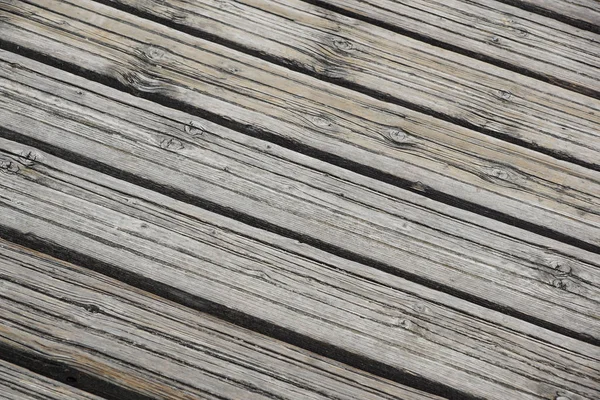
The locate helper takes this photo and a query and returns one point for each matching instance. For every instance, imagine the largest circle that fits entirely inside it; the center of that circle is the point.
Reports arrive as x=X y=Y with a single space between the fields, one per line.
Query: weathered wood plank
x=18 y=383
x=430 y=155
x=200 y=258
x=407 y=71
x=64 y=314
x=203 y=163
x=496 y=32
x=582 y=13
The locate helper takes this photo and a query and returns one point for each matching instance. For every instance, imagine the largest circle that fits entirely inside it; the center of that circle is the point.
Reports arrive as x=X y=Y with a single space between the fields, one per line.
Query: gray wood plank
x=497 y=33
x=357 y=217
x=18 y=383
x=439 y=158
x=583 y=13
x=408 y=71
x=62 y=313
x=199 y=257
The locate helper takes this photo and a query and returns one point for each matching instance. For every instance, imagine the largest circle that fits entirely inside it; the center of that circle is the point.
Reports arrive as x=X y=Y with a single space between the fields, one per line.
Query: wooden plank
x=61 y=313
x=18 y=383
x=499 y=33
x=405 y=329
x=446 y=161
x=345 y=213
x=407 y=71
x=581 y=13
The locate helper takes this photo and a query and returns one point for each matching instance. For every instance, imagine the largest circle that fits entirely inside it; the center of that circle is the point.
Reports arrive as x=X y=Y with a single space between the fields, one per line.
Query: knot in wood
x=29 y=157
x=9 y=166
x=398 y=137
x=343 y=45
x=320 y=121
x=560 y=284
x=153 y=53
x=194 y=128
x=561 y=269
x=562 y=398
x=405 y=324
x=92 y=308
x=171 y=143
x=495 y=40
x=421 y=308
x=504 y=95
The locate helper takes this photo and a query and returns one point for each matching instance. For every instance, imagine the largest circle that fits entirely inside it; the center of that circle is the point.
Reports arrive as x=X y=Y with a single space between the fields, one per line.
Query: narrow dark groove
x=298 y=67
x=180 y=195
x=416 y=187
x=67 y=374
x=577 y=23
x=225 y=313
x=447 y=46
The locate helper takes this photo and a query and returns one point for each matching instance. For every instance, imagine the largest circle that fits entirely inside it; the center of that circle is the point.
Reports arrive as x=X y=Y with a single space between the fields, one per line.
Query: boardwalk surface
x=300 y=199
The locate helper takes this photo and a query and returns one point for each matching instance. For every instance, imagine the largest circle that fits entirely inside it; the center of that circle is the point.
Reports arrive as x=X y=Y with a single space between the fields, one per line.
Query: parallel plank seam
x=554 y=15
x=415 y=187
x=298 y=67
x=66 y=254
x=227 y=314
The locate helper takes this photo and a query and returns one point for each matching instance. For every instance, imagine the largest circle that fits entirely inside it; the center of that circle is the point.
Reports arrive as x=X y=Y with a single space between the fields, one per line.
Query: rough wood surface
x=499 y=33
x=430 y=155
x=18 y=383
x=203 y=163
x=408 y=71
x=583 y=13
x=61 y=313
x=201 y=259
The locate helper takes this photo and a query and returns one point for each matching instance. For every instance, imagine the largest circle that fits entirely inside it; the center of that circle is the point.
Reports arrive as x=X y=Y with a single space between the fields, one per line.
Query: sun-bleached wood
x=584 y=13
x=499 y=33
x=203 y=259
x=407 y=71
x=61 y=313
x=203 y=163
x=425 y=153
x=18 y=383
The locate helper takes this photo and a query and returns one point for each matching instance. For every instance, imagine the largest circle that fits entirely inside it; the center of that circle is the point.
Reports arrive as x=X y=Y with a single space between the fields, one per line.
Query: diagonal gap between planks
x=532 y=73
x=259 y=133
x=582 y=16
x=132 y=79
x=225 y=313
x=240 y=307
x=177 y=194
x=371 y=91
x=202 y=201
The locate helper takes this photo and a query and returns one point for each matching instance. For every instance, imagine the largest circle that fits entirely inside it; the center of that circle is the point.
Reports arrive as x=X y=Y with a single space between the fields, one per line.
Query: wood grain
x=360 y=218
x=200 y=258
x=446 y=161
x=582 y=13
x=18 y=383
x=499 y=33
x=410 y=72
x=58 y=312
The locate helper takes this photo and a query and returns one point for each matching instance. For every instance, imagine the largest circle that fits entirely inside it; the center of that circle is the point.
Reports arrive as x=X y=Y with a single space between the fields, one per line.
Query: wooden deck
x=300 y=199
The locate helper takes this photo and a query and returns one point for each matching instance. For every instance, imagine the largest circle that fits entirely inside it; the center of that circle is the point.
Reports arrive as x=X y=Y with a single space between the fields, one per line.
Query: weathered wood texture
x=496 y=32
x=404 y=70
x=203 y=259
x=361 y=218
x=584 y=13
x=63 y=314
x=18 y=383
x=432 y=156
